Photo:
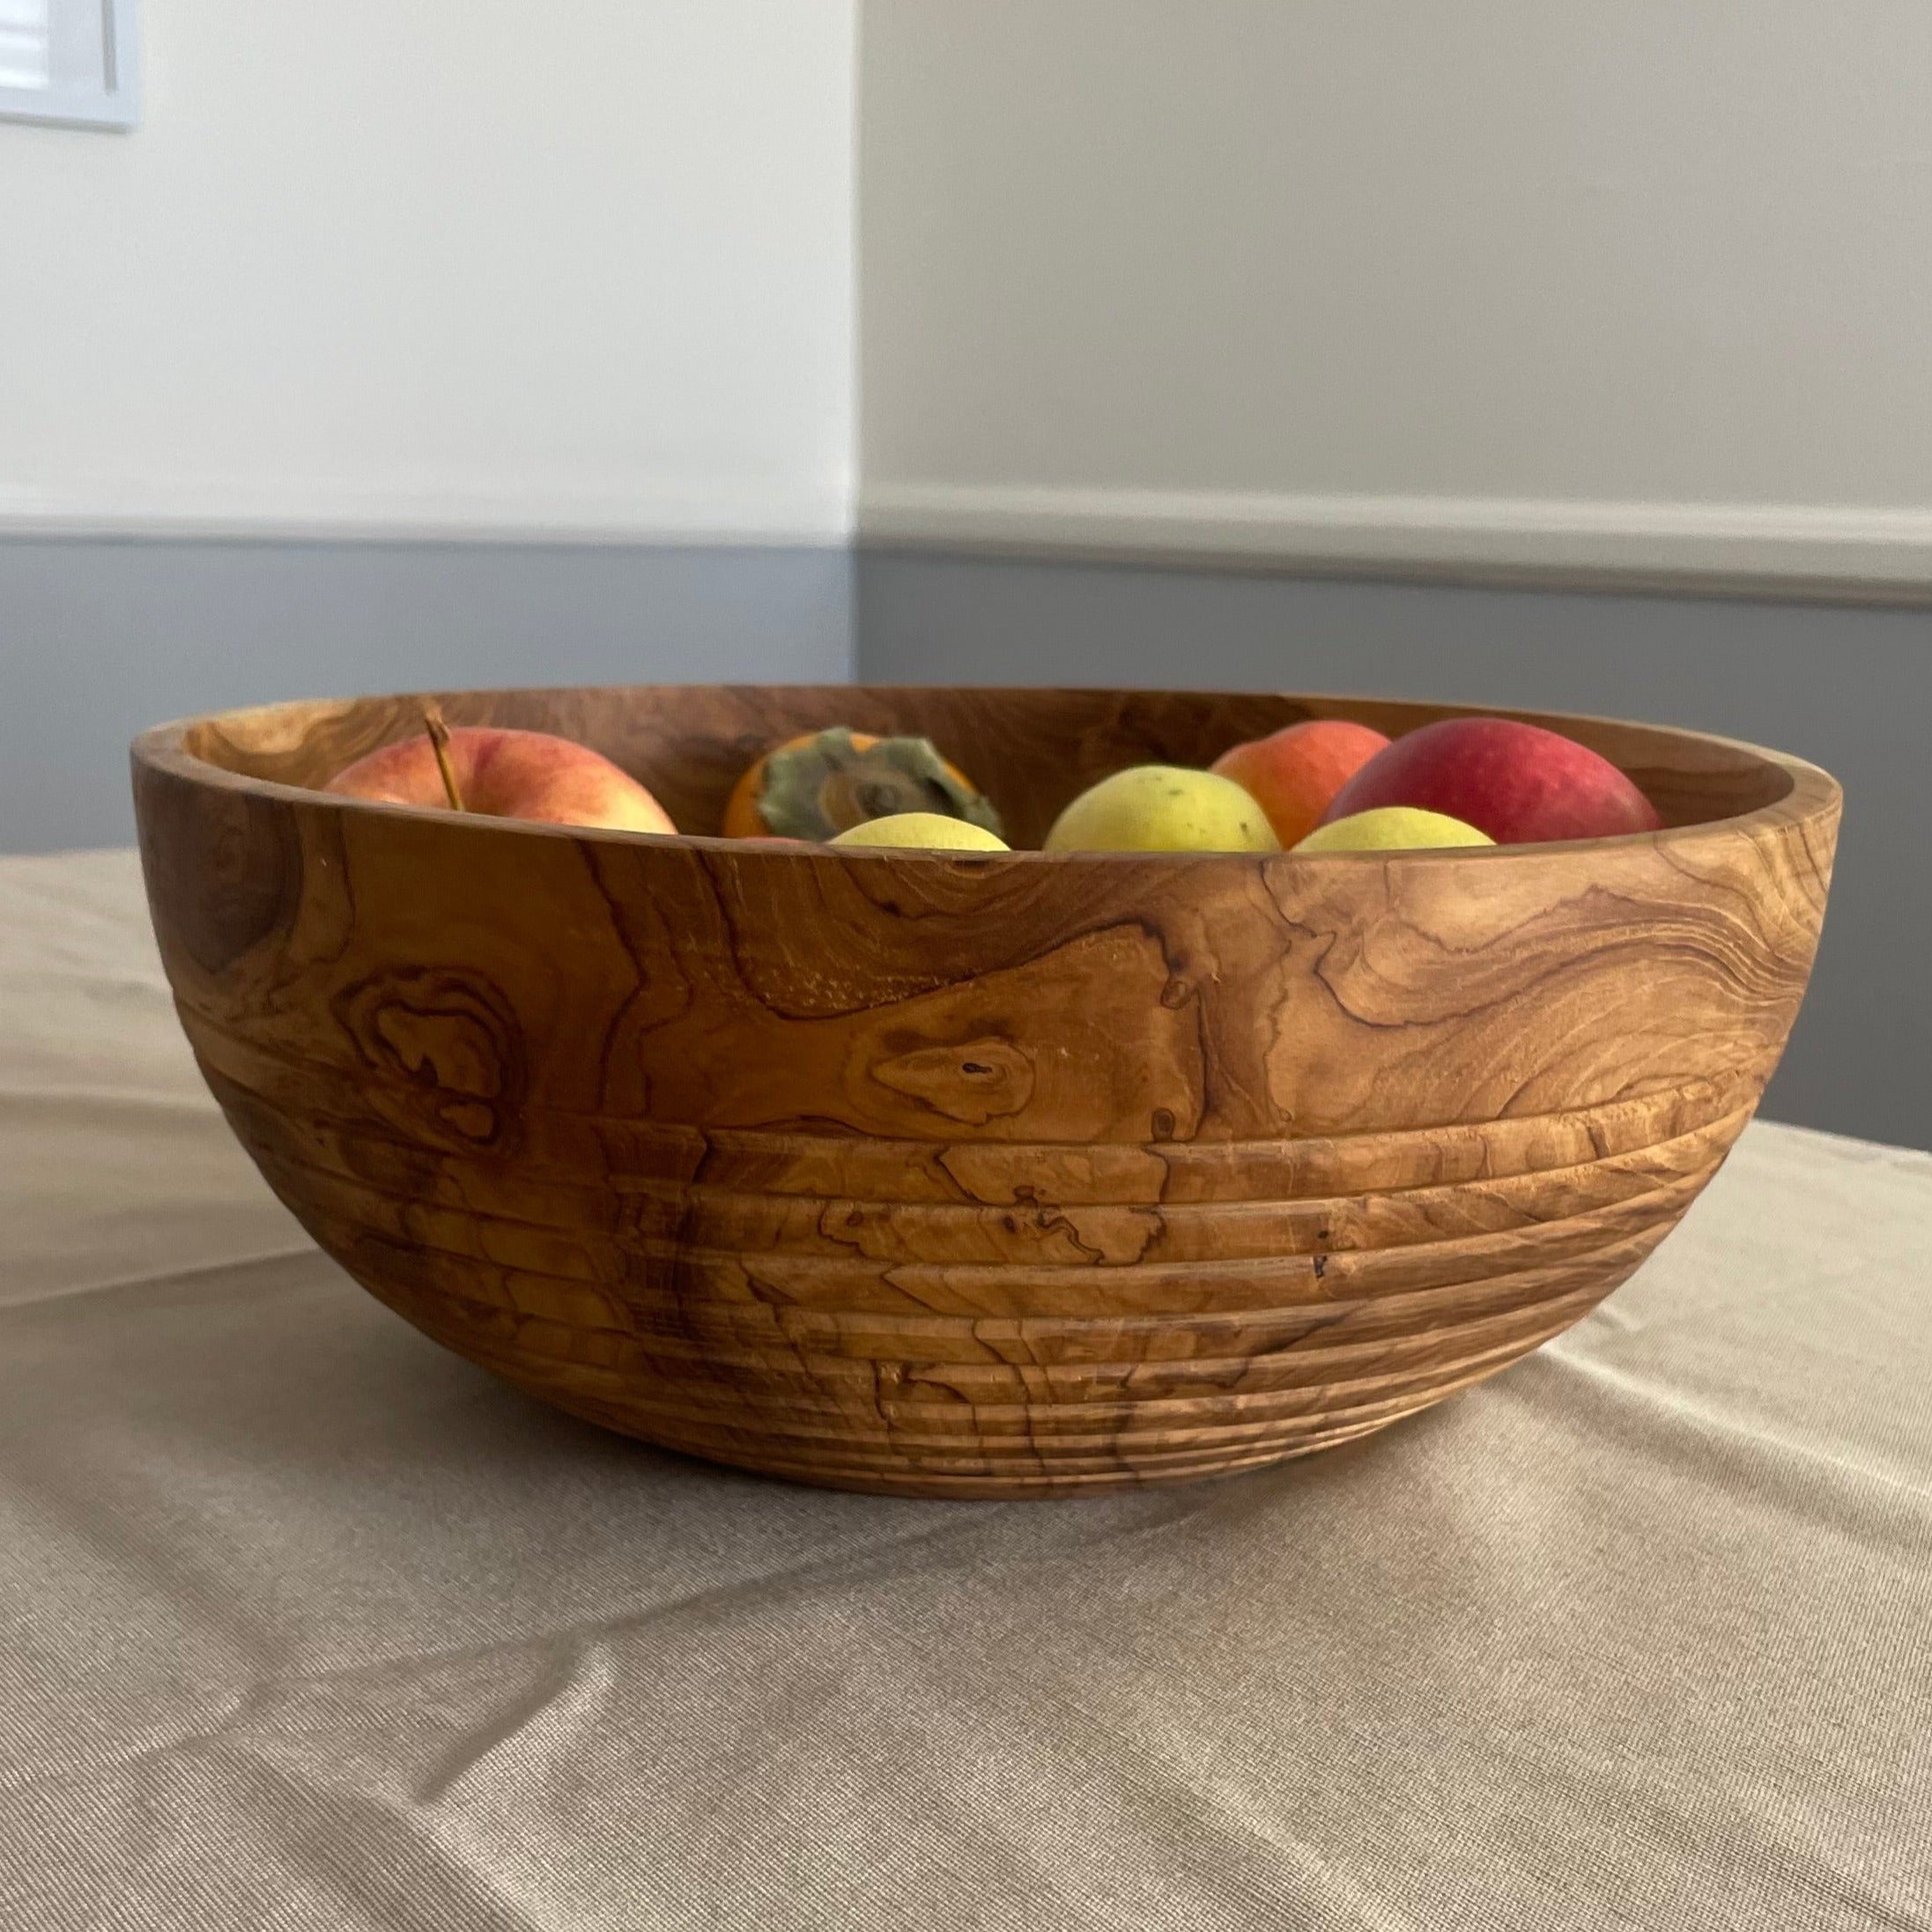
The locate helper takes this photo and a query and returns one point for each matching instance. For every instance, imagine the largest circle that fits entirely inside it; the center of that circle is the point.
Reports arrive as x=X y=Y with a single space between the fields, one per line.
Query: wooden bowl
x=973 y=1175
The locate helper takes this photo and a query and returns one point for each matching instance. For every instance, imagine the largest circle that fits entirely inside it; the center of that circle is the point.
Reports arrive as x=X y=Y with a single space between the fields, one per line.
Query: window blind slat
x=26 y=52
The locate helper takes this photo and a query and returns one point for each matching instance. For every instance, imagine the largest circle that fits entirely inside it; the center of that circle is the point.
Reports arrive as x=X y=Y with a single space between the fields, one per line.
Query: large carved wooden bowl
x=972 y=1175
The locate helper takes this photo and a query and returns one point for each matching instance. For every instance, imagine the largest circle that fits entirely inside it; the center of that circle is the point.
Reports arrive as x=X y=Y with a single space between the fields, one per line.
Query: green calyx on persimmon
x=817 y=786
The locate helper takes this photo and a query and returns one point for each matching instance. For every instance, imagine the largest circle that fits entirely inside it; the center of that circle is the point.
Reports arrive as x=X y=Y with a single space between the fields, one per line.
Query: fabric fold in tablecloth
x=306 y=1624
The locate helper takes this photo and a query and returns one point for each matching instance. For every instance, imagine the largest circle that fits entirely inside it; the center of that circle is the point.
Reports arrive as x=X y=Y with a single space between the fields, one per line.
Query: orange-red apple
x=1292 y=773
x=1519 y=783
x=503 y=773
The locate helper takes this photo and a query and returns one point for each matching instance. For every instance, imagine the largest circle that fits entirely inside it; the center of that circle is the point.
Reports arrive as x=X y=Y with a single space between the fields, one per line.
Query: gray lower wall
x=100 y=638
x=1849 y=687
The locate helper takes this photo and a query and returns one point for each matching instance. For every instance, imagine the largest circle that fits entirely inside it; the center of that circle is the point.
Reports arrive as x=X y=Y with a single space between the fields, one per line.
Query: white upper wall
x=445 y=265
x=1643 y=286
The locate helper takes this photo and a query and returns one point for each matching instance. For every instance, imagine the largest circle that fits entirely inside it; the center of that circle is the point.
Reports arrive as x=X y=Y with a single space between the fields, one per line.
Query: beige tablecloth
x=304 y=1624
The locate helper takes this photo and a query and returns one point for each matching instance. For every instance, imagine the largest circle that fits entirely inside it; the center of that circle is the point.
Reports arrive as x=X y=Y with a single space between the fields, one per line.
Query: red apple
x=1293 y=773
x=508 y=775
x=1520 y=784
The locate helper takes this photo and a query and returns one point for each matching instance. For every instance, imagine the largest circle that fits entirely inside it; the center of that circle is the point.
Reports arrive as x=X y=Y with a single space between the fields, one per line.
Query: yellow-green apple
x=924 y=831
x=1293 y=773
x=1519 y=783
x=503 y=773
x=1392 y=828
x=1163 y=808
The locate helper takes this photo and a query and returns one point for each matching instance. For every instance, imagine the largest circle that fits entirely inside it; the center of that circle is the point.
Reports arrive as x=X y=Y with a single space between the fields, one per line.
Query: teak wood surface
x=973 y=1174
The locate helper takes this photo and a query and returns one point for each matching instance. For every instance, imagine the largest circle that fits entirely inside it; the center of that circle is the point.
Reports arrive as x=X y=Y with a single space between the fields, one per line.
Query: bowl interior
x=1030 y=750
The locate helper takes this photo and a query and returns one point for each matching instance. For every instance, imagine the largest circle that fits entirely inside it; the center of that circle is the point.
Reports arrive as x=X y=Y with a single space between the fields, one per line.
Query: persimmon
x=821 y=783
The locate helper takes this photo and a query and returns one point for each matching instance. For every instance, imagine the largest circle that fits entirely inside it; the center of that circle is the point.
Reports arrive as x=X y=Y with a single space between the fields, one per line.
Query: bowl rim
x=1811 y=794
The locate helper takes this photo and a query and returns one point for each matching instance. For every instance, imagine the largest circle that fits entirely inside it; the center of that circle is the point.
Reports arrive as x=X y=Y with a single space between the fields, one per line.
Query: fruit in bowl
x=1393 y=828
x=821 y=783
x=1516 y=781
x=503 y=773
x=921 y=832
x=1163 y=808
x=1293 y=773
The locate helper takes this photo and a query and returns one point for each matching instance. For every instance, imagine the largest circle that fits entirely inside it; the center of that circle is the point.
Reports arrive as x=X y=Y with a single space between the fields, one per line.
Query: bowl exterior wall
x=980 y=1176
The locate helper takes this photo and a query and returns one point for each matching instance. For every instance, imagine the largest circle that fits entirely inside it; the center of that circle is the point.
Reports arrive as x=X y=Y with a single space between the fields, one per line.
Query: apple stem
x=439 y=743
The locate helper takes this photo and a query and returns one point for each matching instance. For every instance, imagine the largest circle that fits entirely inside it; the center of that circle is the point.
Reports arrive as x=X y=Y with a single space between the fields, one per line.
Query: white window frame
x=112 y=99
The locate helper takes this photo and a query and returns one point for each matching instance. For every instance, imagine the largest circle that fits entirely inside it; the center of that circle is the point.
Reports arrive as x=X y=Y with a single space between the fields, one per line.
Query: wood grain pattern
x=982 y=1174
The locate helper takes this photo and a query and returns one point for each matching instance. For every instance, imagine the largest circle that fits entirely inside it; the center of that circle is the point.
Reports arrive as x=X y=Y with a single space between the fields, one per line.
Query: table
x=305 y=1624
